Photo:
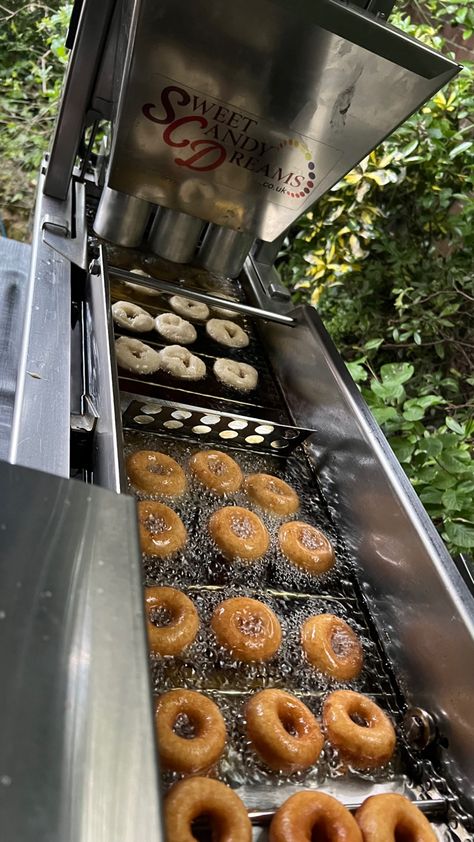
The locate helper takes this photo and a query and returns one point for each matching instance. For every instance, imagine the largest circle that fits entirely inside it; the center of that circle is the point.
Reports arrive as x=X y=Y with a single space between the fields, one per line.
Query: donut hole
x=341 y=643
x=206 y=826
x=161 y=470
x=290 y=724
x=310 y=539
x=242 y=527
x=322 y=830
x=156 y=525
x=185 y=726
x=250 y=625
x=359 y=719
x=404 y=833
x=161 y=616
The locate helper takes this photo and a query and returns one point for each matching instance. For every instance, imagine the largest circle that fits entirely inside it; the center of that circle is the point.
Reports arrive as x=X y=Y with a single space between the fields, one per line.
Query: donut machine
x=189 y=138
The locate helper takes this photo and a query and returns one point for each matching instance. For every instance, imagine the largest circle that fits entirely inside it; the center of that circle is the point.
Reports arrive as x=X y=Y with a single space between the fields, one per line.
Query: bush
x=387 y=257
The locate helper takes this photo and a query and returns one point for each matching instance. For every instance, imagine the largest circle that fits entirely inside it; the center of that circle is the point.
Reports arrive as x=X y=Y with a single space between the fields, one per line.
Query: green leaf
x=432 y=446
x=460 y=534
x=388 y=391
x=383 y=414
x=450 y=500
x=402 y=448
x=373 y=343
x=397 y=372
x=460 y=148
x=357 y=372
x=454 y=426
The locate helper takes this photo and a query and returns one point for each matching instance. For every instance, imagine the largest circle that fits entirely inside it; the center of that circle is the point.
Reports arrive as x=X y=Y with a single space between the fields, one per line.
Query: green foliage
x=437 y=459
x=32 y=62
x=387 y=256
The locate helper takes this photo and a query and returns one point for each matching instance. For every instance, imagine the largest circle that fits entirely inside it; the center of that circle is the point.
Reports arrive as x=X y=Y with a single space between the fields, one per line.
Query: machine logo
x=209 y=135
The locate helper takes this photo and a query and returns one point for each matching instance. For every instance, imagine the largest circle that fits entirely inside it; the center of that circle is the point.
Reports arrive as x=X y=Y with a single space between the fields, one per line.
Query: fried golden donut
x=306 y=546
x=366 y=745
x=132 y=317
x=194 y=797
x=179 y=362
x=307 y=816
x=283 y=731
x=332 y=647
x=189 y=309
x=175 y=329
x=387 y=818
x=239 y=533
x=136 y=356
x=162 y=532
x=236 y=375
x=156 y=473
x=227 y=333
x=247 y=628
x=272 y=494
x=190 y=730
x=217 y=471
x=171 y=619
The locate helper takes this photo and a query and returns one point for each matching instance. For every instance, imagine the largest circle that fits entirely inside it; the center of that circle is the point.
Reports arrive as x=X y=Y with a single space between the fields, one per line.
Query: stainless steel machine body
x=77 y=754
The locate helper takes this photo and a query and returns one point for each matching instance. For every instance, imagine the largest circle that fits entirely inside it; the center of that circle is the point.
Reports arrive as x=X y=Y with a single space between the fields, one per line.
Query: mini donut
x=173 y=327
x=141 y=288
x=364 y=746
x=307 y=816
x=135 y=356
x=217 y=471
x=181 y=363
x=386 y=818
x=236 y=375
x=222 y=312
x=194 y=797
x=283 y=731
x=162 y=532
x=239 y=533
x=306 y=546
x=156 y=473
x=203 y=734
x=179 y=620
x=272 y=494
x=332 y=647
x=189 y=309
x=132 y=316
x=248 y=628
x=227 y=333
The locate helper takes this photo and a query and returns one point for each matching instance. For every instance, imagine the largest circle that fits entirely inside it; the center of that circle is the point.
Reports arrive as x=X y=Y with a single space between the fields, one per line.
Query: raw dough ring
x=239 y=533
x=179 y=362
x=189 y=309
x=236 y=375
x=306 y=814
x=385 y=818
x=283 y=731
x=248 y=628
x=180 y=620
x=141 y=288
x=162 y=532
x=222 y=312
x=272 y=494
x=363 y=746
x=194 y=797
x=306 y=546
x=156 y=473
x=227 y=333
x=132 y=317
x=217 y=471
x=135 y=356
x=175 y=329
x=204 y=724
x=332 y=647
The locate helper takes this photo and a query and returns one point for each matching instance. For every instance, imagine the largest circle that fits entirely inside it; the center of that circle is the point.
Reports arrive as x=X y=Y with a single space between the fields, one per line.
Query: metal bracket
x=57 y=226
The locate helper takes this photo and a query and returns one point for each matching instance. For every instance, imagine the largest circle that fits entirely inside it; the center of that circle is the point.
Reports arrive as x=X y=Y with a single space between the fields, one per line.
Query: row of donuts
x=138 y=357
x=174 y=328
x=237 y=532
x=188 y=308
x=303 y=817
x=250 y=631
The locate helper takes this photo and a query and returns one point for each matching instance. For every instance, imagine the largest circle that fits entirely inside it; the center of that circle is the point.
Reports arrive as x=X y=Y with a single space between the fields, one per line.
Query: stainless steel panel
x=244 y=115
x=175 y=236
x=224 y=251
x=14 y=269
x=40 y=427
x=420 y=604
x=77 y=745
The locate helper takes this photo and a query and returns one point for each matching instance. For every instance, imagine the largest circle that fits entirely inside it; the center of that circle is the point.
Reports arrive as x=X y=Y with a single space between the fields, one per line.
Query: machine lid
x=244 y=114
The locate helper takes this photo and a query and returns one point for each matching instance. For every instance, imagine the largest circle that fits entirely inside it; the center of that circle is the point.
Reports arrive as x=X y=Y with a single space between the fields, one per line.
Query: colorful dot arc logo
x=310 y=178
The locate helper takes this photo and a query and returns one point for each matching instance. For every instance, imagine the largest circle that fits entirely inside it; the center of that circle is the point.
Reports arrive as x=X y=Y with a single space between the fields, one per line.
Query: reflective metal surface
x=40 y=427
x=175 y=236
x=420 y=604
x=244 y=115
x=77 y=744
x=121 y=219
x=14 y=270
x=224 y=251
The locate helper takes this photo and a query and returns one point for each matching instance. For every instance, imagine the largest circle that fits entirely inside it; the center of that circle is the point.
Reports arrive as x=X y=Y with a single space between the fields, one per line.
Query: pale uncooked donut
x=189 y=309
x=236 y=375
x=173 y=327
x=227 y=333
x=138 y=287
x=132 y=317
x=221 y=312
x=136 y=356
x=181 y=363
